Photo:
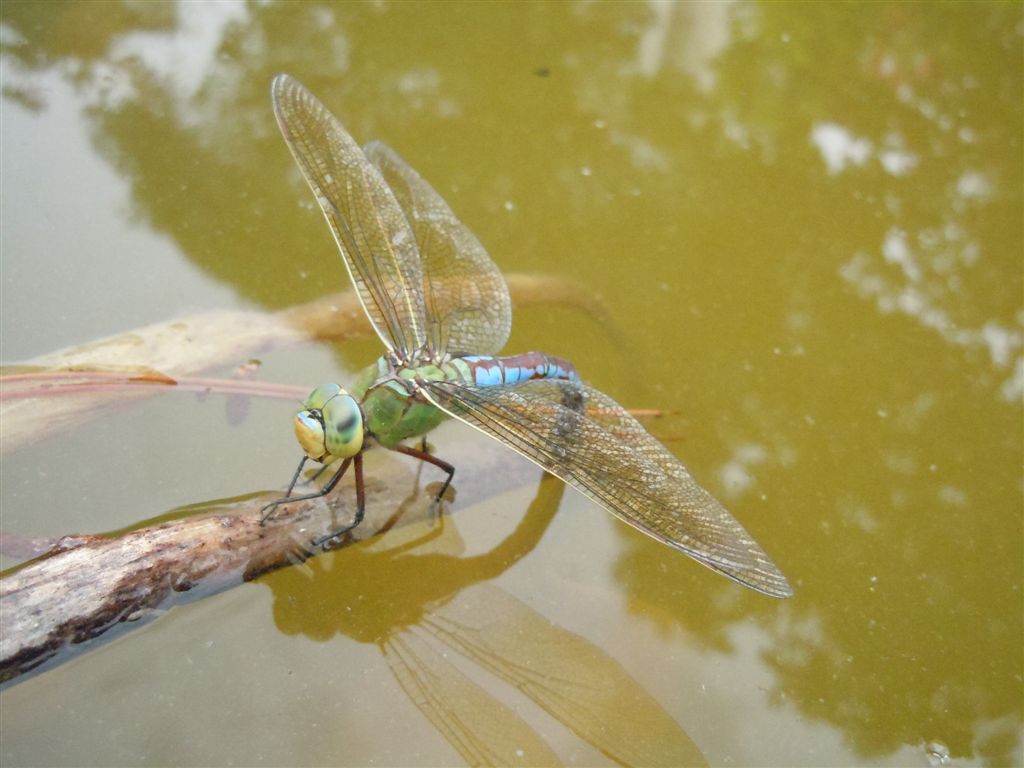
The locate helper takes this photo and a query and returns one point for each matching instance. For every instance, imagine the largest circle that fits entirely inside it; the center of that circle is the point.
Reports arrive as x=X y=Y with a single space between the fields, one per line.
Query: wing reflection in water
x=418 y=599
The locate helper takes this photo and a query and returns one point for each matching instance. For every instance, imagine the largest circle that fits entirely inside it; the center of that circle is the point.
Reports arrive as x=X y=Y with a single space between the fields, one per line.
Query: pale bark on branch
x=69 y=599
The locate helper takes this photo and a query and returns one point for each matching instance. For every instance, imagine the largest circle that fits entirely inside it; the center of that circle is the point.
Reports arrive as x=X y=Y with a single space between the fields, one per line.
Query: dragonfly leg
x=316 y=475
x=360 y=499
x=268 y=510
x=423 y=455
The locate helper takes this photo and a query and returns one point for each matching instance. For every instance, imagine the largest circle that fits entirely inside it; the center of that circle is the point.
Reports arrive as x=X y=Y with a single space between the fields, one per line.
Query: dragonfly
x=442 y=310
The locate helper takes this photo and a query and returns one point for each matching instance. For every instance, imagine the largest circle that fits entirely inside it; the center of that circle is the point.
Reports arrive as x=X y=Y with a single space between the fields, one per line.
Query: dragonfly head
x=330 y=425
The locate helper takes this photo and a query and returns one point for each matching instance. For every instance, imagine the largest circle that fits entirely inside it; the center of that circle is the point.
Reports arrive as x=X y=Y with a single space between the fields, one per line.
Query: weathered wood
x=71 y=598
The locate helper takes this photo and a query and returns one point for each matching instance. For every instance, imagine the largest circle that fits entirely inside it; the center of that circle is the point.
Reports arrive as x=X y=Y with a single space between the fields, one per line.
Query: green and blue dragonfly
x=442 y=309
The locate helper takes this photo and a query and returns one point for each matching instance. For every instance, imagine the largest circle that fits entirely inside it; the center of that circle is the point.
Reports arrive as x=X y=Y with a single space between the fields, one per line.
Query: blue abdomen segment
x=490 y=371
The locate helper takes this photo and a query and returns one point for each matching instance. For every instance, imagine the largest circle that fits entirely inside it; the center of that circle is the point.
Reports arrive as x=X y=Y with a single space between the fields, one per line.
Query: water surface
x=805 y=223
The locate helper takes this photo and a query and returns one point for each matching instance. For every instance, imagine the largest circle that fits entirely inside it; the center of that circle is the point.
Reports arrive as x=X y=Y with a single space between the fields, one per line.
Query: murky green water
x=805 y=222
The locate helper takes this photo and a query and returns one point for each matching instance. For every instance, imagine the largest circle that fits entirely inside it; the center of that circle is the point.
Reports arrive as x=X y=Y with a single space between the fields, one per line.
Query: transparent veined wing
x=467 y=303
x=376 y=241
x=588 y=440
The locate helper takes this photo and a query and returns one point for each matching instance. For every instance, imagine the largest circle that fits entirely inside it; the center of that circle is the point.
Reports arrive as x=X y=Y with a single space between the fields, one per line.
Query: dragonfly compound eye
x=309 y=431
x=318 y=397
x=343 y=426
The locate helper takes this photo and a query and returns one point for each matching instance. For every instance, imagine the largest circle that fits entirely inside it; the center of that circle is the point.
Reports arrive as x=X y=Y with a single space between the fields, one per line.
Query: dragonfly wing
x=467 y=303
x=376 y=241
x=588 y=440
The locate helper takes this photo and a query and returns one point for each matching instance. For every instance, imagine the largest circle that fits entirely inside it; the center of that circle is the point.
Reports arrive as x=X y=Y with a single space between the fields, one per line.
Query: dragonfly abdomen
x=491 y=371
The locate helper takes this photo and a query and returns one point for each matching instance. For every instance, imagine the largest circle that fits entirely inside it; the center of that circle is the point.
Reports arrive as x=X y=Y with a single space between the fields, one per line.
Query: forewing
x=376 y=241
x=467 y=303
x=584 y=437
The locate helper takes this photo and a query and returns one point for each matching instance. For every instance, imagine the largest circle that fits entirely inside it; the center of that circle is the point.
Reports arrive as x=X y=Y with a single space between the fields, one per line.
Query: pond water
x=804 y=224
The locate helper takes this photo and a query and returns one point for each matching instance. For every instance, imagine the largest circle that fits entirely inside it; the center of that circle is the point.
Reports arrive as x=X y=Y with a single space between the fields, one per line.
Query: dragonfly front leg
x=268 y=510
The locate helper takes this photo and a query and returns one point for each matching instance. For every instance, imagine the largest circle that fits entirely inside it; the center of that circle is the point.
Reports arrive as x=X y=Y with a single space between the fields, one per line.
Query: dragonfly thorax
x=393 y=408
x=330 y=424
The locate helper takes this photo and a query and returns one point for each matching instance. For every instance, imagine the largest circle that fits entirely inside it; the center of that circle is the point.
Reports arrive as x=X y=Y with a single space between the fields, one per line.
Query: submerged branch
x=187 y=347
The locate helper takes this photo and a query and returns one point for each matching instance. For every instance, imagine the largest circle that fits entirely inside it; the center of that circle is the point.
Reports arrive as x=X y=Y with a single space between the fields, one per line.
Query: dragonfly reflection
x=420 y=600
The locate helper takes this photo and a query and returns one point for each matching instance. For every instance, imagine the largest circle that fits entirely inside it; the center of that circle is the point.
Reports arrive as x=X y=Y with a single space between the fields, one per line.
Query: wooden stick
x=70 y=599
